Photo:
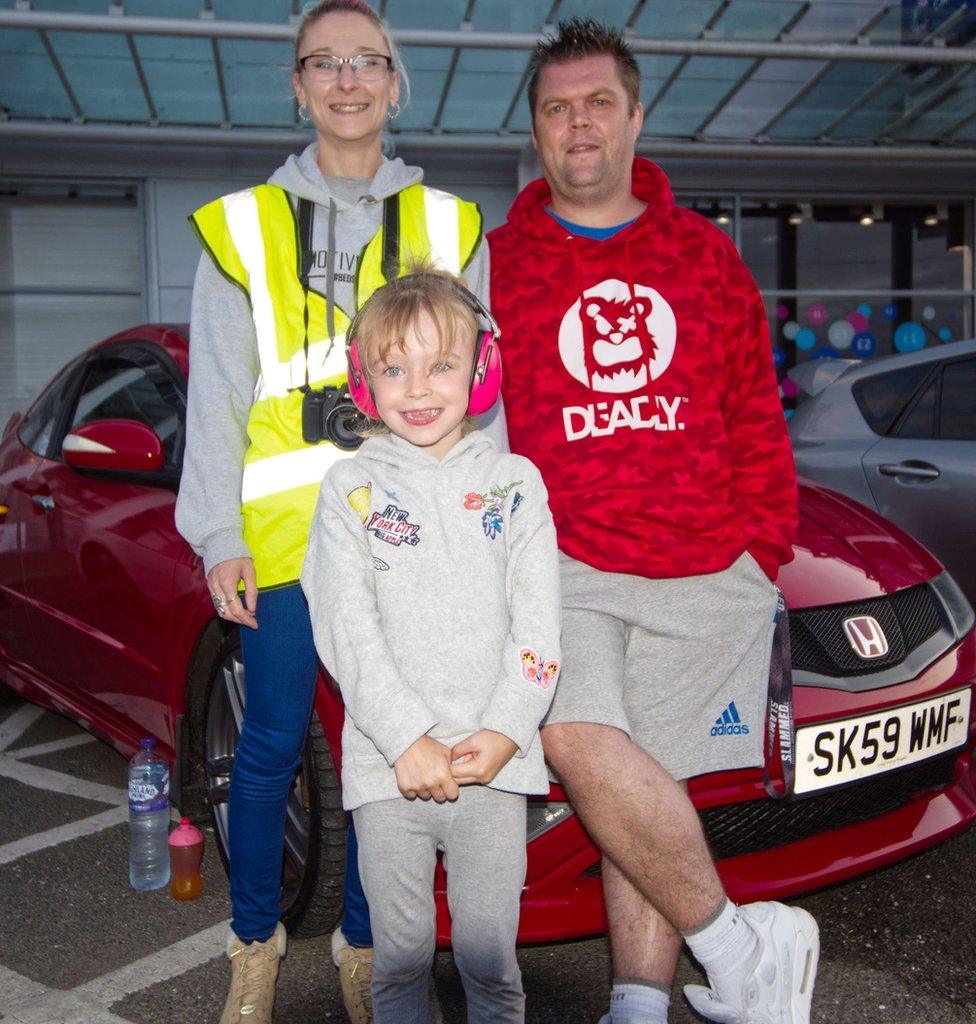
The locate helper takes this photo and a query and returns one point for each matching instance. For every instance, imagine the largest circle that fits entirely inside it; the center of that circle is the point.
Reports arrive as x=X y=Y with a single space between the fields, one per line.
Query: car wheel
x=314 y=863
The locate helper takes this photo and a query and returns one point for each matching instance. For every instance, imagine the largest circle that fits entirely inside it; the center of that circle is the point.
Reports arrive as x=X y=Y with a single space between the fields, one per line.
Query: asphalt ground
x=78 y=946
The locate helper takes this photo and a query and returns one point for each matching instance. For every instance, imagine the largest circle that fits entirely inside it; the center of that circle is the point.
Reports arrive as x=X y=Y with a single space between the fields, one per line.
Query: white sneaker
x=778 y=986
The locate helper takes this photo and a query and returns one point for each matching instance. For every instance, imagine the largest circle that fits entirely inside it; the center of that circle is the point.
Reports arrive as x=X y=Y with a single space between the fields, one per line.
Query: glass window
x=939 y=253
x=720 y=210
x=882 y=398
x=958 y=409
x=119 y=389
x=816 y=245
x=834 y=250
x=38 y=425
x=920 y=421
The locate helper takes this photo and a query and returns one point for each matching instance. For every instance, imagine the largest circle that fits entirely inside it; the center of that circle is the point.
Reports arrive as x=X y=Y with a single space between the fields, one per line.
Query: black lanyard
x=779 y=705
x=306 y=221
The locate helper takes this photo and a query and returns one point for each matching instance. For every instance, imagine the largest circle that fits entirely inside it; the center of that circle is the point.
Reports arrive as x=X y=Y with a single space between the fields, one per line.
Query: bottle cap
x=185 y=834
x=147 y=742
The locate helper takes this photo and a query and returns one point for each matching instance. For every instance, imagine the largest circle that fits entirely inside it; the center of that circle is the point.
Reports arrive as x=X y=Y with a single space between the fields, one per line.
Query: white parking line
x=27 y=1002
x=58 y=782
x=18 y=723
x=16 y=989
x=66 y=1009
x=52 y=747
x=62 y=834
x=169 y=962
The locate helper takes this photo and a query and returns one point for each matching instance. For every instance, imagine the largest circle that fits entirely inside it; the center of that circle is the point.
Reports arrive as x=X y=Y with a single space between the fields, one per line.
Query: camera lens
x=343 y=425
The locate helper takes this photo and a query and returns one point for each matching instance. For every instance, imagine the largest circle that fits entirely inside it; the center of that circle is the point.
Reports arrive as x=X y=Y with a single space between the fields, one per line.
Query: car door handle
x=917 y=470
x=44 y=501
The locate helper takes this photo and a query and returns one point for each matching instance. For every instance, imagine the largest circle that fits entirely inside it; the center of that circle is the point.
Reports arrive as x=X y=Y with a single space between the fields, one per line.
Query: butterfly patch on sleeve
x=535 y=670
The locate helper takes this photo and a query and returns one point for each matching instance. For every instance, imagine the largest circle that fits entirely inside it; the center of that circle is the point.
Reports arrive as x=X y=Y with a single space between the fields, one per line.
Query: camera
x=331 y=415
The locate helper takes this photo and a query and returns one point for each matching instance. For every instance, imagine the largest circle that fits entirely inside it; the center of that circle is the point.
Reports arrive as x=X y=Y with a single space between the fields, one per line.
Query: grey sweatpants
x=482 y=835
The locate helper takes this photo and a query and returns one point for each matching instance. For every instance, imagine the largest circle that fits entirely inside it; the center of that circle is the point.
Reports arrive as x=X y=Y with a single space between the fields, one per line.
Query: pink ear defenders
x=486 y=370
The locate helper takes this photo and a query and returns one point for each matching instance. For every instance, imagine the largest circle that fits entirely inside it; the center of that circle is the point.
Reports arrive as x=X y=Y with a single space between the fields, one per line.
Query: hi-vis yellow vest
x=252 y=237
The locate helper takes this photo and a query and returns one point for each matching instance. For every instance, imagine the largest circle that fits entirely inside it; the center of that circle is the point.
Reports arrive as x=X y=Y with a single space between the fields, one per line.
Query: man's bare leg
x=640 y=818
x=642 y=943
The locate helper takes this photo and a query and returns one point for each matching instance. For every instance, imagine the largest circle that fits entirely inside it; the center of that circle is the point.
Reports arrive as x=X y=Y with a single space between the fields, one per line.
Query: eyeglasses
x=326 y=67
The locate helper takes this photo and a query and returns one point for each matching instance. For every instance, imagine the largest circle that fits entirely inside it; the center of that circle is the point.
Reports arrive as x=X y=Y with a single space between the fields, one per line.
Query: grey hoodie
x=434 y=593
x=224 y=365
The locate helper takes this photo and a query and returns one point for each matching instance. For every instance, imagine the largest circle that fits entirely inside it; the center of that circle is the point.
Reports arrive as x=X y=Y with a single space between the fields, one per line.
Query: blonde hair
x=398 y=307
x=314 y=11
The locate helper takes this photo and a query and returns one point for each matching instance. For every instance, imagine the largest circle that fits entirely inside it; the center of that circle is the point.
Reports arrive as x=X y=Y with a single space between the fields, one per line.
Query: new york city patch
x=393 y=526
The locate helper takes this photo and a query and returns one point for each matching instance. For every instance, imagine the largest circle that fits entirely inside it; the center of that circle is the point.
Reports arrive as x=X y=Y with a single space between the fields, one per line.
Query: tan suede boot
x=355 y=975
x=254 y=971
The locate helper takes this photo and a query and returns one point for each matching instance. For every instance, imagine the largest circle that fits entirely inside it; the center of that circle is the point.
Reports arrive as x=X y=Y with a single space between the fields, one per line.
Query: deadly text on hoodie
x=639 y=378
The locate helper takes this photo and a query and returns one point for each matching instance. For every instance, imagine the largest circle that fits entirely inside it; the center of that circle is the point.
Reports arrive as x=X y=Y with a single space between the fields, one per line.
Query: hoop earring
x=303 y=114
x=394 y=113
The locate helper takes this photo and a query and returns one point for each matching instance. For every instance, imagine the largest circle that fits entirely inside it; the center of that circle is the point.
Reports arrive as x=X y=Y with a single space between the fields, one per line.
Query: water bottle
x=148 y=818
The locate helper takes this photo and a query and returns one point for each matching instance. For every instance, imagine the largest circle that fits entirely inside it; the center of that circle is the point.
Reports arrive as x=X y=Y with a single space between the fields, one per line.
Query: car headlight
x=957 y=607
x=540 y=817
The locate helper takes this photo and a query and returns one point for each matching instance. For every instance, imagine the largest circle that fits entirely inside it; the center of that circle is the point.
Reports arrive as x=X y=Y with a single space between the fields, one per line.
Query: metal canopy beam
x=452 y=69
x=143 y=81
x=887 y=78
x=821 y=75
x=932 y=100
x=680 y=66
x=958 y=127
x=750 y=71
x=464 y=142
x=524 y=80
x=62 y=77
x=213 y=29
x=221 y=85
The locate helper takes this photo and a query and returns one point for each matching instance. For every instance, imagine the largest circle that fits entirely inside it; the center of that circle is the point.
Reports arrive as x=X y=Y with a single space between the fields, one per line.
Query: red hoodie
x=639 y=379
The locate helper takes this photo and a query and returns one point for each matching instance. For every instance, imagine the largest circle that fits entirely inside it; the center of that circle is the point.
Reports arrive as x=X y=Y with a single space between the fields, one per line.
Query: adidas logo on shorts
x=729 y=723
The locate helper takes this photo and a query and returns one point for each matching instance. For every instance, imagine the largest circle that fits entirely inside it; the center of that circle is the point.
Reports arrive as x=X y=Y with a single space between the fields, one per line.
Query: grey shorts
x=680 y=665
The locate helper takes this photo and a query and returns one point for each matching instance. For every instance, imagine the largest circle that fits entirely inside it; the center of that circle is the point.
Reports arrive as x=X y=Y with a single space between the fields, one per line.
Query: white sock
x=724 y=945
x=633 y=1001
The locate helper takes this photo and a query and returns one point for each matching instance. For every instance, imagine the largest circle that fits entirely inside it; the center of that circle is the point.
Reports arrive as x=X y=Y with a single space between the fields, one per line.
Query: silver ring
x=218 y=601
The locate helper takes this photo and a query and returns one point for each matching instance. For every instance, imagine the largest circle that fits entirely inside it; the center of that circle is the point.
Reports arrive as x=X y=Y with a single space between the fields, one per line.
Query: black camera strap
x=306 y=221
x=306 y=255
x=391 y=238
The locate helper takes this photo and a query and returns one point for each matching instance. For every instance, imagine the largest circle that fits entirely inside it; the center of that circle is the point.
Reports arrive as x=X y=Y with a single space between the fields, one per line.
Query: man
x=639 y=378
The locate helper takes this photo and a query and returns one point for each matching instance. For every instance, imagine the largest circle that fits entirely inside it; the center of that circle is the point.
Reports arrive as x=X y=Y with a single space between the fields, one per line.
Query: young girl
x=432 y=580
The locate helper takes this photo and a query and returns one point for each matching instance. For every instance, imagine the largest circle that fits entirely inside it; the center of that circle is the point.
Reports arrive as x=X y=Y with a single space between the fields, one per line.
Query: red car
x=104 y=615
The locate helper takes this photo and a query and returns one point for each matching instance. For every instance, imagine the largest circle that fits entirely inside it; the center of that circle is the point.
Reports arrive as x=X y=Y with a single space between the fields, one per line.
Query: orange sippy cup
x=185 y=855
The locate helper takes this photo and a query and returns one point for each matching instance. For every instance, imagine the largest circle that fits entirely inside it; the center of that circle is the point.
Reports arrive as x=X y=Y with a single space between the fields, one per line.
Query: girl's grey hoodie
x=434 y=593
x=224 y=366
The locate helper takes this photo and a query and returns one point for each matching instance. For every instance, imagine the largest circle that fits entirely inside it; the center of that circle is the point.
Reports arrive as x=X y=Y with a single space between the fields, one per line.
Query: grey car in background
x=898 y=434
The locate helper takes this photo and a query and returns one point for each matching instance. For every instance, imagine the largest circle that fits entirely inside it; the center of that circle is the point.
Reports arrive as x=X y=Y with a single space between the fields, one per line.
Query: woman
x=284 y=268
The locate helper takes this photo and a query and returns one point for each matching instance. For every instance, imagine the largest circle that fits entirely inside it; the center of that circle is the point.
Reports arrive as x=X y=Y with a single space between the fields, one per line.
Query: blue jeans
x=280 y=668
x=355 y=909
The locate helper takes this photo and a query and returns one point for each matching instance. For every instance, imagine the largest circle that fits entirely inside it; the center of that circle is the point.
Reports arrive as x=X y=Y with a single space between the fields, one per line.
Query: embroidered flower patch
x=491 y=505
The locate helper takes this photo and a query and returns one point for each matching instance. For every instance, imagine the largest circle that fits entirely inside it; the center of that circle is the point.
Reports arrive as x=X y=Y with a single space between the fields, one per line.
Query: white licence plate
x=833 y=753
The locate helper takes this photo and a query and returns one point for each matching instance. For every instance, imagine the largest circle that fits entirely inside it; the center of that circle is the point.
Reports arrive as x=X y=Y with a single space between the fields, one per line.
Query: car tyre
x=314 y=864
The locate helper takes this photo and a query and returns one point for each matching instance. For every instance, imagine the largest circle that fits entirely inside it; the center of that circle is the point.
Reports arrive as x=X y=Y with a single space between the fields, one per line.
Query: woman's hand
x=479 y=758
x=424 y=770
x=222 y=581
